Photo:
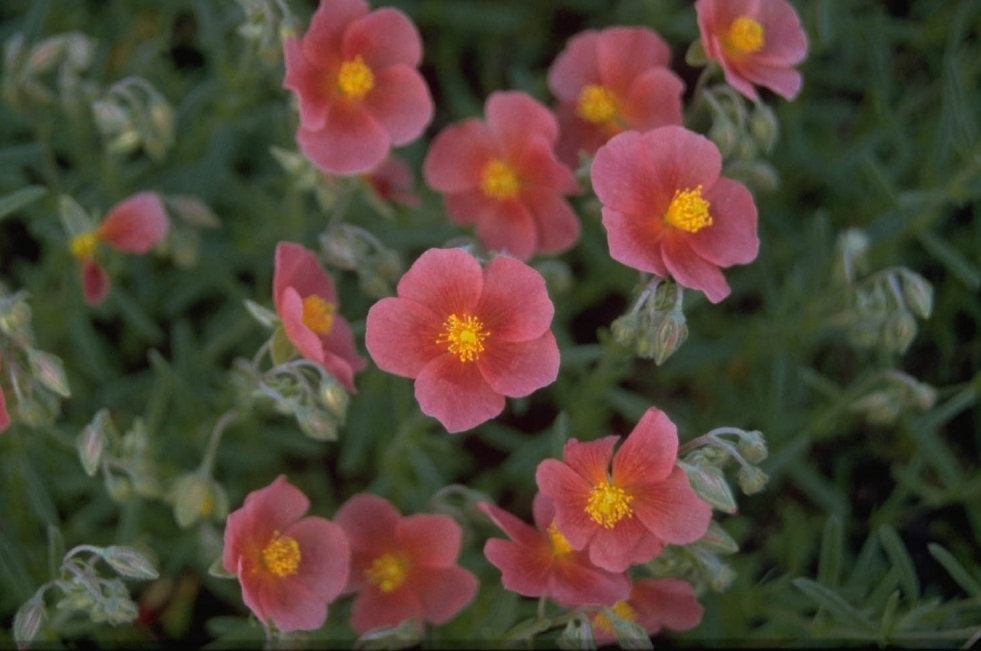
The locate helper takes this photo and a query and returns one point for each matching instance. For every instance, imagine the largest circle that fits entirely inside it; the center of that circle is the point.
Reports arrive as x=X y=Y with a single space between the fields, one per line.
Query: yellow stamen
x=622 y=610
x=387 y=572
x=464 y=336
x=560 y=546
x=355 y=78
x=596 y=104
x=281 y=556
x=498 y=180
x=83 y=246
x=745 y=35
x=608 y=504
x=689 y=211
x=318 y=314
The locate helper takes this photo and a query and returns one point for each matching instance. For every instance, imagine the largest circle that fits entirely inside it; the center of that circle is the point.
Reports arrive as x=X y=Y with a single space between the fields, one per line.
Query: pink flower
x=4 y=415
x=756 y=42
x=612 y=81
x=307 y=305
x=653 y=604
x=360 y=93
x=536 y=562
x=134 y=225
x=667 y=211
x=502 y=176
x=469 y=336
x=290 y=566
x=392 y=181
x=402 y=567
x=626 y=517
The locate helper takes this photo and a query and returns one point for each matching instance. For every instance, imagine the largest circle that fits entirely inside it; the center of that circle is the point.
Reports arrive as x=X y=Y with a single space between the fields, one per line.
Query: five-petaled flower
x=539 y=561
x=402 y=567
x=627 y=516
x=612 y=81
x=653 y=604
x=290 y=567
x=502 y=176
x=756 y=42
x=667 y=211
x=468 y=335
x=307 y=305
x=355 y=74
x=134 y=225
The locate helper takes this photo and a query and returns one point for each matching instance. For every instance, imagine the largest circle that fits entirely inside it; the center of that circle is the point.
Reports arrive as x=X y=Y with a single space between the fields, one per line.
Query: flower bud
x=15 y=314
x=710 y=484
x=334 y=397
x=669 y=334
x=90 y=444
x=191 y=496
x=49 y=371
x=120 y=489
x=341 y=247
x=751 y=479
x=193 y=211
x=79 y=50
x=918 y=293
x=764 y=126
x=27 y=621
x=725 y=134
x=45 y=55
x=695 y=54
x=752 y=446
x=316 y=423
x=110 y=117
x=878 y=407
x=899 y=332
x=129 y=563
x=718 y=540
x=625 y=329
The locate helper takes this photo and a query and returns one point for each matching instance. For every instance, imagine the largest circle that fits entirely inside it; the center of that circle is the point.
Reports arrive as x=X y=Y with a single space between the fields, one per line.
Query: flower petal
x=591 y=459
x=731 y=239
x=514 y=304
x=623 y=53
x=291 y=315
x=350 y=142
x=519 y=368
x=369 y=522
x=627 y=543
x=649 y=452
x=95 y=282
x=444 y=592
x=384 y=37
x=524 y=569
x=430 y=540
x=575 y=66
x=400 y=102
x=579 y=583
x=401 y=336
x=665 y=602
x=556 y=221
x=457 y=155
x=512 y=116
x=653 y=100
x=309 y=82
x=323 y=39
x=455 y=394
x=519 y=531
x=570 y=493
x=447 y=281
x=503 y=226
x=692 y=271
x=626 y=179
x=325 y=556
x=136 y=224
x=298 y=267
x=635 y=242
x=672 y=510
x=373 y=608
x=266 y=510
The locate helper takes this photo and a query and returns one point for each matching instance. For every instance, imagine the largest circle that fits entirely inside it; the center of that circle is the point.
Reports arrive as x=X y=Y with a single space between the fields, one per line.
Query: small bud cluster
x=125 y=461
x=25 y=69
x=267 y=24
x=743 y=135
x=655 y=327
x=132 y=114
x=893 y=392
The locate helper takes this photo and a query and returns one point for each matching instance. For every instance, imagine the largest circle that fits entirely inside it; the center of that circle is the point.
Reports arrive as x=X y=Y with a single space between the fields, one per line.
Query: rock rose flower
x=667 y=211
x=627 y=516
x=307 y=305
x=612 y=81
x=402 y=567
x=538 y=561
x=134 y=225
x=502 y=176
x=290 y=567
x=360 y=93
x=757 y=42
x=469 y=336
x=653 y=604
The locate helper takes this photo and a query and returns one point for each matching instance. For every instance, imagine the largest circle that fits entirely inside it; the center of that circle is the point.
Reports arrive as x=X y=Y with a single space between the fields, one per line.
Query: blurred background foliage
x=870 y=527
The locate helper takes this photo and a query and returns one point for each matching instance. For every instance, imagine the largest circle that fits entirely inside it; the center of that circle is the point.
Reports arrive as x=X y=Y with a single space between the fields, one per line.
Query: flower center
x=83 y=246
x=622 y=610
x=387 y=572
x=355 y=78
x=745 y=35
x=608 y=504
x=596 y=104
x=282 y=555
x=318 y=314
x=498 y=180
x=560 y=546
x=689 y=211
x=464 y=336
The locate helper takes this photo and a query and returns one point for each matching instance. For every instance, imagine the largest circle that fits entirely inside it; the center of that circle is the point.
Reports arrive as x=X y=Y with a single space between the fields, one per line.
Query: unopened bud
x=918 y=293
x=341 y=247
x=725 y=134
x=129 y=563
x=15 y=313
x=878 y=407
x=899 y=332
x=110 y=117
x=79 y=51
x=751 y=479
x=669 y=334
x=710 y=484
x=90 y=444
x=853 y=247
x=924 y=396
x=334 y=397
x=752 y=446
x=45 y=55
x=625 y=329
x=193 y=211
x=49 y=371
x=119 y=488
x=27 y=621
x=316 y=423
x=764 y=126
x=718 y=540
x=695 y=54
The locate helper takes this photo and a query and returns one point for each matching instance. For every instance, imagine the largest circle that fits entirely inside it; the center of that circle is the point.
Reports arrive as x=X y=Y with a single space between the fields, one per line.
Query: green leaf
x=835 y=604
x=832 y=551
x=263 y=315
x=23 y=197
x=900 y=559
x=954 y=260
x=968 y=583
x=281 y=349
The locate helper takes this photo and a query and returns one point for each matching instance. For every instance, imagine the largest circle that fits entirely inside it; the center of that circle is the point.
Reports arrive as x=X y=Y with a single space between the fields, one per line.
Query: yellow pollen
x=464 y=336
x=83 y=246
x=281 y=556
x=745 y=35
x=560 y=545
x=689 y=211
x=355 y=78
x=608 y=504
x=596 y=104
x=318 y=314
x=498 y=180
x=622 y=610
x=387 y=572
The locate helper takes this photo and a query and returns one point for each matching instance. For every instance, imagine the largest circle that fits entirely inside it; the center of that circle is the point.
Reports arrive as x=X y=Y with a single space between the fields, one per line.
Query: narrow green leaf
x=900 y=559
x=832 y=546
x=886 y=624
x=23 y=197
x=560 y=434
x=835 y=604
x=957 y=571
x=954 y=260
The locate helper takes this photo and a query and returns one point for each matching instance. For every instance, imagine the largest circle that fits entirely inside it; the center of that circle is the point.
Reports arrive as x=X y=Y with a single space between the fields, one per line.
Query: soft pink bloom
x=290 y=566
x=355 y=74
x=307 y=305
x=392 y=180
x=653 y=604
x=468 y=335
x=667 y=211
x=502 y=176
x=402 y=567
x=756 y=42
x=539 y=561
x=627 y=516
x=4 y=415
x=612 y=81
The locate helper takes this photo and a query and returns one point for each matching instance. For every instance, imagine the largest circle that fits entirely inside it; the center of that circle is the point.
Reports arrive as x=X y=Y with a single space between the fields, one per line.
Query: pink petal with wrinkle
x=136 y=224
x=401 y=336
x=669 y=603
x=373 y=608
x=590 y=459
x=692 y=271
x=649 y=452
x=635 y=242
x=570 y=493
x=447 y=281
x=626 y=179
x=519 y=531
x=627 y=543
x=313 y=85
x=513 y=115
x=672 y=510
x=623 y=53
x=298 y=267
x=350 y=142
x=322 y=42
x=524 y=570
x=292 y=606
x=558 y=224
x=325 y=556
x=457 y=156
x=517 y=369
x=400 y=102
x=653 y=100
x=384 y=37
x=455 y=394
x=575 y=66
x=305 y=339
x=444 y=592
x=504 y=226
x=369 y=522
x=504 y=279
x=430 y=540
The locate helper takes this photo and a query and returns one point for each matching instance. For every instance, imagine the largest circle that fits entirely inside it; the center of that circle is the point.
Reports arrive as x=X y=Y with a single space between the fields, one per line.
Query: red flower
x=538 y=562
x=611 y=81
x=290 y=566
x=667 y=211
x=628 y=516
x=134 y=225
x=402 y=567
x=392 y=181
x=4 y=415
x=653 y=604
x=307 y=304
x=469 y=336
x=360 y=93
x=756 y=42
x=502 y=175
